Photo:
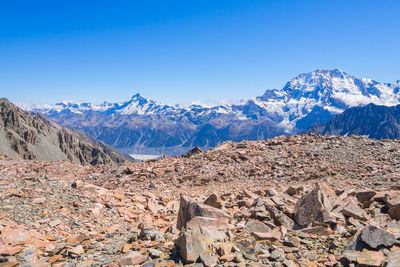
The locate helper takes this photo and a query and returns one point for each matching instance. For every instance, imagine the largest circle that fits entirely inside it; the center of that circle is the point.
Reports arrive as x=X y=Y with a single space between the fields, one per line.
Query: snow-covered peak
x=336 y=79
x=332 y=90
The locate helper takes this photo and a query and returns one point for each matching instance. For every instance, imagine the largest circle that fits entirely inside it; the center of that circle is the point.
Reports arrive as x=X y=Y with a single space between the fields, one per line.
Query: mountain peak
x=137 y=95
x=139 y=99
x=322 y=74
x=333 y=71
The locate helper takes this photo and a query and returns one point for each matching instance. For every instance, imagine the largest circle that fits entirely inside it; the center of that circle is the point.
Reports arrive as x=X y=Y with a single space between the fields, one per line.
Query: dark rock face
x=378 y=122
x=32 y=136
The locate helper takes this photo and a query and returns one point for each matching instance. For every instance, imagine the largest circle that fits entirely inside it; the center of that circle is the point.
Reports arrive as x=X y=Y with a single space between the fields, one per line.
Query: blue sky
x=184 y=51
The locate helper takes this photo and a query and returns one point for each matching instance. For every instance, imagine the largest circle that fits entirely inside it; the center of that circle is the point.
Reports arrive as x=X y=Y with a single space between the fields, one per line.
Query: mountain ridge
x=374 y=121
x=145 y=126
x=33 y=136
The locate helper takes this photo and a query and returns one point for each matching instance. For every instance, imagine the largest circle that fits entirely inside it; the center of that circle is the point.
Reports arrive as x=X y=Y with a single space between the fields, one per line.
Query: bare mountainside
x=31 y=136
x=374 y=121
x=303 y=200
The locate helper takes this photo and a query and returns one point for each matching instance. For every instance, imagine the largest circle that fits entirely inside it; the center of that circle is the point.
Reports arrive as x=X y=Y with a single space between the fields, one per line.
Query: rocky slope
x=304 y=200
x=31 y=136
x=379 y=122
x=141 y=125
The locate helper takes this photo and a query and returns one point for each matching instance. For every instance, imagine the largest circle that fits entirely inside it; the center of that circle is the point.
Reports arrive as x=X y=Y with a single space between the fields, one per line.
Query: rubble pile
x=148 y=214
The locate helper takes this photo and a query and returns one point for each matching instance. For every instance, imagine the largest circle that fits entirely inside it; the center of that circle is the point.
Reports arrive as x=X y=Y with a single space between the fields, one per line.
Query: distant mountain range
x=141 y=125
x=378 y=122
x=28 y=136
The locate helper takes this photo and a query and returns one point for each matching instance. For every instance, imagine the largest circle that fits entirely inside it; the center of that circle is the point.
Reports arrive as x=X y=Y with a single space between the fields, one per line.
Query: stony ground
x=289 y=201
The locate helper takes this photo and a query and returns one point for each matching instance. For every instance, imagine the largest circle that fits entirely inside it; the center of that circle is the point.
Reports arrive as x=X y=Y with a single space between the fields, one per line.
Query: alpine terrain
x=143 y=126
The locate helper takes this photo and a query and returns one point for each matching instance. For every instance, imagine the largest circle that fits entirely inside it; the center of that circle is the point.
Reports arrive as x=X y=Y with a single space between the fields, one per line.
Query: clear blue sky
x=184 y=51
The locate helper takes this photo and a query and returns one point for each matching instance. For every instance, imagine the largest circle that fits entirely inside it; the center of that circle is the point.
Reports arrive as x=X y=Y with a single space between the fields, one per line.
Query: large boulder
x=189 y=209
x=315 y=206
x=191 y=244
x=376 y=237
x=371 y=238
x=201 y=226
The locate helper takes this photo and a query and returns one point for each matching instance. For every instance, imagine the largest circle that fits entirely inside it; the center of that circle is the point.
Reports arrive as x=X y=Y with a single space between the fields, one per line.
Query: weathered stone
x=227 y=257
x=189 y=209
x=198 y=221
x=315 y=206
x=78 y=250
x=208 y=260
x=132 y=258
x=352 y=210
x=191 y=244
x=291 y=191
x=256 y=226
x=276 y=234
x=214 y=201
x=394 y=212
x=365 y=196
x=370 y=258
x=376 y=237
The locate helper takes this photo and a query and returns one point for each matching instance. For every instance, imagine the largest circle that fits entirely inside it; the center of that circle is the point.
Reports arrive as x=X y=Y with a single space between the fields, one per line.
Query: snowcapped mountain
x=323 y=93
x=143 y=125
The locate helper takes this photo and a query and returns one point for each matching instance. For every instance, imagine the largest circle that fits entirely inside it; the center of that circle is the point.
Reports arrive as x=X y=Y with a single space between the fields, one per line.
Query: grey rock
x=256 y=226
x=376 y=237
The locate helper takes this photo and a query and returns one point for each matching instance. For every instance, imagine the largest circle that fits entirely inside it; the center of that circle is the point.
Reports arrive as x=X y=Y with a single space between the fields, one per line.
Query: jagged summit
x=138 y=97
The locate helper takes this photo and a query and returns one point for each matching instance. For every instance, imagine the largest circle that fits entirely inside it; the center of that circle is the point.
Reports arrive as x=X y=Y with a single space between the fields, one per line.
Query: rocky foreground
x=289 y=201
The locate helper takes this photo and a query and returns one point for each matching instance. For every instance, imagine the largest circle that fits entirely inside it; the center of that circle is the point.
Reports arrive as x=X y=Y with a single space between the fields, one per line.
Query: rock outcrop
x=32 y=136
